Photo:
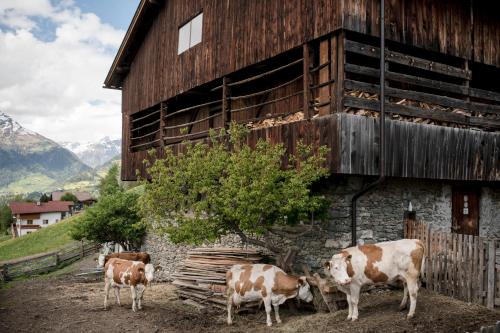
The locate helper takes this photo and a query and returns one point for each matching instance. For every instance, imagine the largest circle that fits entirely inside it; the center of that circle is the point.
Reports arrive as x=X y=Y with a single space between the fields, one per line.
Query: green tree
x=44 y=198
x=113 y=218
x=225 y=186
x=69 y=197
x=109 y=184
x=6 y=218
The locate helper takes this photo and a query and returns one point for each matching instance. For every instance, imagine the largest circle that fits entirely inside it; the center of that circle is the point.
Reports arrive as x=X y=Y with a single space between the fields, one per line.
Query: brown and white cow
x=378 y=263
x=120 y=273
x=247 y=283
x=134 y=256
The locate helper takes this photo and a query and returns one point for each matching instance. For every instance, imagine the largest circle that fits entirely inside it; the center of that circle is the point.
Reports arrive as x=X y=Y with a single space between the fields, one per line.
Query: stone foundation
x=380 y=214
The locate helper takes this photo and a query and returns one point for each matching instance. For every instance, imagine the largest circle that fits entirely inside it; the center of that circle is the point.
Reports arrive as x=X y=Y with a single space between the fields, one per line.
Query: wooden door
x=465 y=211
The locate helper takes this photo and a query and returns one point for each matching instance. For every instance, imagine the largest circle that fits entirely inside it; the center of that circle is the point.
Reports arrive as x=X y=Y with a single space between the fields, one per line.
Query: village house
x=84 y=198
x=311 y=70
x=31 y=216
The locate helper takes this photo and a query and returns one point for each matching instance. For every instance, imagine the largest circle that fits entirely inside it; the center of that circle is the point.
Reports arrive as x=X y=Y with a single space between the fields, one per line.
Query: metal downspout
x=381 y=177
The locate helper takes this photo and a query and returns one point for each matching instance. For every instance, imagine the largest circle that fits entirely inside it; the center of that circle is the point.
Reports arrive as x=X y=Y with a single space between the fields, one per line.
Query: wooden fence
x=461 y=266
x=46 y=262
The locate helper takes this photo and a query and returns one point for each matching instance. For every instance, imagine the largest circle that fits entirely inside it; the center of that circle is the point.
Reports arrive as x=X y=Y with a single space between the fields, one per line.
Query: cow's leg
x=277 y=313
x=117 y=295
x=229 y=306
x=267 y=304
x=106 y=292
x=140 y=293
x=413 y=291
x=347 y=292
x=134 y=297
x=355 y=289
x=404 y=302
x=349 y=303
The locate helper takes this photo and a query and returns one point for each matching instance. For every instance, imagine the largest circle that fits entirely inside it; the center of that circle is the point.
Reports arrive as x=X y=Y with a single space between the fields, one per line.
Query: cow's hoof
x=348 y=318
x=278 y=321
x=409 y=317
x=229 y=323
x=354 y=318
x=269 y=324
x=402 y=307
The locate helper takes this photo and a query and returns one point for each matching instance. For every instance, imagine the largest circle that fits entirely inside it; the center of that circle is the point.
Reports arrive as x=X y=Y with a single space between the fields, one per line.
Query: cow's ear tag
x=327 y=265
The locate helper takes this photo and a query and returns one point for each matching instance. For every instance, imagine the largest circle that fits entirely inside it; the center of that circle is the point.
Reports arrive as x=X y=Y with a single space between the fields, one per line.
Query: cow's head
x=149 y=271
x=101 y=259
x=304 y=290
x=338 y=268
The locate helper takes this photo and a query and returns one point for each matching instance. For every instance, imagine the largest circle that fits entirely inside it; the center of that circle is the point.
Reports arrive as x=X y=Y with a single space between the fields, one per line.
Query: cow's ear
x=349 y=257
x=327 y=265
x=302 y=280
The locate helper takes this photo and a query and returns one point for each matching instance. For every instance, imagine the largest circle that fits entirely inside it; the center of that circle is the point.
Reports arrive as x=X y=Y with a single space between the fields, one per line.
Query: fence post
x=81 y=248
x=490 y=303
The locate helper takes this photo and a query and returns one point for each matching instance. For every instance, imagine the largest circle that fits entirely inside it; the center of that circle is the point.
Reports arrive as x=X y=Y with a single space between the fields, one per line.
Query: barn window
x=30 y=221
x=190 y=33
x=45 y=221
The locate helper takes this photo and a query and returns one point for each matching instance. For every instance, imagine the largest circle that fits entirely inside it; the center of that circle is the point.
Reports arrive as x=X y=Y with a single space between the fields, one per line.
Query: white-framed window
x=45 y=221
x=29 y=222
x=190 y=33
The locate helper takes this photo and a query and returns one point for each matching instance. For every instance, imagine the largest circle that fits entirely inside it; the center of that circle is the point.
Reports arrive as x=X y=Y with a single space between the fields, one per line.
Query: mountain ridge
x=31 y=162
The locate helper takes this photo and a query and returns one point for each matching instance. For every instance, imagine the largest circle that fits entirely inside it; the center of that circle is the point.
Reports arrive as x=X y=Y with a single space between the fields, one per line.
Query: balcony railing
x=336 y=73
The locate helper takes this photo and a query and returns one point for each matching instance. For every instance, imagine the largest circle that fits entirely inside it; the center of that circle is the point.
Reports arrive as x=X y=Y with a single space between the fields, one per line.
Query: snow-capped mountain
x=95 y=153
x=30 y=162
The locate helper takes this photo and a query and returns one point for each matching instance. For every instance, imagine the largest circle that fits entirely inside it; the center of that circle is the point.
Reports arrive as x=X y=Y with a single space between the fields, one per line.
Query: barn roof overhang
x=138 y=28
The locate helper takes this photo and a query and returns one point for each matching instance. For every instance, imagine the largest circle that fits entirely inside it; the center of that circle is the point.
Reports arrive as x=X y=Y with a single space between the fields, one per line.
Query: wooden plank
x=306 y=99
x=482 y=275
x=341 y=40
x=324 y=76
x=333 y=73
x=490 y=301
x=403 y=59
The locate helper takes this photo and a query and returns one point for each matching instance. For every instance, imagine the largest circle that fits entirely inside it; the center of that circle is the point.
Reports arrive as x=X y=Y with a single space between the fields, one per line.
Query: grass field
x=46 y=239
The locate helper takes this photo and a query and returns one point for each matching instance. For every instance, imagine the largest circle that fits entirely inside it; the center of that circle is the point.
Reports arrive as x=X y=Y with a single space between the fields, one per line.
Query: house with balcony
x=32 y=216
x=409 y=108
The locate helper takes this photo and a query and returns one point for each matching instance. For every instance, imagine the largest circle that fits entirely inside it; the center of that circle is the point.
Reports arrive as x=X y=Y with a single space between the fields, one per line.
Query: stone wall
x=380 y=218
x=489 y=212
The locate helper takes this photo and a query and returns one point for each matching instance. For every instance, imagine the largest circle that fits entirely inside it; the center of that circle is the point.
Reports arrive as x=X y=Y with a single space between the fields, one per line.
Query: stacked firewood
x=201 y=278
x=407 y=102
x=273 y=120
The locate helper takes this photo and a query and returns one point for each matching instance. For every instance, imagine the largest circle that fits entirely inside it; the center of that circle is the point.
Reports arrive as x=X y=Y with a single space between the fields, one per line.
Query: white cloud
x=54 y=86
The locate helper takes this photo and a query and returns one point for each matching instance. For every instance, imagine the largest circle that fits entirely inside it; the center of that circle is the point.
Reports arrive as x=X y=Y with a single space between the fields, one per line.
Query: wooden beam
x=341 y=40
x=324 y=76
x=306 y=81
x=333 y=73
x=163 y=112
x=404 y=59
x=226 y=102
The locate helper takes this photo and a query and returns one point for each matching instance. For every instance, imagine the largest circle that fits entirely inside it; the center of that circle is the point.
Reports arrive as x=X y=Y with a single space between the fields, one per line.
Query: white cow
x=247 y=283
x=120 y=273
x=378 y=263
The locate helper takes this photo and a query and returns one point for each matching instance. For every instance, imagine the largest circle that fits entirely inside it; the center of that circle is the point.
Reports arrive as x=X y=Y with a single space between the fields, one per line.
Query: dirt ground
x=63 y=302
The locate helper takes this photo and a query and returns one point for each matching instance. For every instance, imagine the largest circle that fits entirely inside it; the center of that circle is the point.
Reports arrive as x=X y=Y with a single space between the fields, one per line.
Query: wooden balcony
x=443 y=118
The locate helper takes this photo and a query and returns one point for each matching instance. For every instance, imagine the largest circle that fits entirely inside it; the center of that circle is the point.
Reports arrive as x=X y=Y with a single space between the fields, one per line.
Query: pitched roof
x=81 y=196
x=44 y=207
x=141 y=22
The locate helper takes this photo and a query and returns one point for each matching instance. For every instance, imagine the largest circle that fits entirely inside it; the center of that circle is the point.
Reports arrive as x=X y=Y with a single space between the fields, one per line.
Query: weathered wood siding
x=467 y=29
x=414 y=150
x=418 y=151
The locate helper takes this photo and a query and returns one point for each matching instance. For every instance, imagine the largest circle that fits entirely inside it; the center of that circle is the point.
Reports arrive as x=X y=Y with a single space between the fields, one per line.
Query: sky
x=54 y=56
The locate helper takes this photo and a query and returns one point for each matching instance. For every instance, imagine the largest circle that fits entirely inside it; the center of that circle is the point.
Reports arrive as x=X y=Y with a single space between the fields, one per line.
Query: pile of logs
x=274 y=120
x=408 y=102
x=201 y=278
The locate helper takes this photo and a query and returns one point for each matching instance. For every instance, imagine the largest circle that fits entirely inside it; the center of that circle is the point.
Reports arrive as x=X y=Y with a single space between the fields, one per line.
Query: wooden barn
x=315 y=70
